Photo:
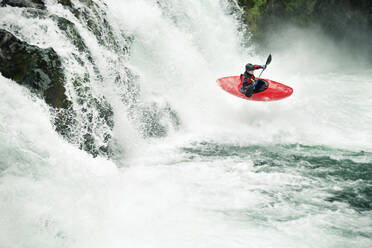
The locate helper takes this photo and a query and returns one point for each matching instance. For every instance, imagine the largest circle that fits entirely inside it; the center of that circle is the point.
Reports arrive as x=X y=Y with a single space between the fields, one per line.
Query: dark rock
x=35 y=13
x=105 y=116
x=93 y=15
x=65 y=3
x=86 y=121
x=71 y=32
x=90 y=123
x=38 y=4
x=38 y=69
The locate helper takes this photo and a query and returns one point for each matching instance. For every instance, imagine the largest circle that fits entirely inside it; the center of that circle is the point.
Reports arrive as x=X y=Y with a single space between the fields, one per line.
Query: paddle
x=268 y=61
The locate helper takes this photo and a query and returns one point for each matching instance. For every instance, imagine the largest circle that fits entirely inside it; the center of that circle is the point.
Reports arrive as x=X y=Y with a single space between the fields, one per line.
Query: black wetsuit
x=249 y=81
x=248 y=84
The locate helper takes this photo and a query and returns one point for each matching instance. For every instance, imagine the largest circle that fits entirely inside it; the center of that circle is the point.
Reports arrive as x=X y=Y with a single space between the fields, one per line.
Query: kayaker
x=248 y=79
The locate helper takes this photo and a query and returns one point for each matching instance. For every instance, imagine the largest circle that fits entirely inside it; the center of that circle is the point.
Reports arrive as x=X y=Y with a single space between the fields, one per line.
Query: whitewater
x=225 y=173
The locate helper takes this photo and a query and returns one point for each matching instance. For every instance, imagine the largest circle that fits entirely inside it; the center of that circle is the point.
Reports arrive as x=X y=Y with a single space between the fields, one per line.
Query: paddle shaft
x=261 y=73
x=268 y=61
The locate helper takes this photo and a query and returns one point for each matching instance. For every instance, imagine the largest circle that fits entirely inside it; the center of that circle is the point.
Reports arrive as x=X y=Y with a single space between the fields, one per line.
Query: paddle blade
x=268 y=61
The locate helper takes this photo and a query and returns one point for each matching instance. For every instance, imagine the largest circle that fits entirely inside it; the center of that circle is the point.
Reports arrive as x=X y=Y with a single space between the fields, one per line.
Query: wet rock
x=92 y=15
x=72 y=34
x=90 y=124
x=36 y=68
x=66 y=3
x=87 y=120
x=38 y=4
x=40 y=70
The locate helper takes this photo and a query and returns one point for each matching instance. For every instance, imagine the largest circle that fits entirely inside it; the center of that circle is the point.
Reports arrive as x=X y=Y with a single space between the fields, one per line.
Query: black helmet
x=249 y=67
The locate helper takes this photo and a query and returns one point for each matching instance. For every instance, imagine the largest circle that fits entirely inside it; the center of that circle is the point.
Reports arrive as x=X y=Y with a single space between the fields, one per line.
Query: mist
x=311 y=50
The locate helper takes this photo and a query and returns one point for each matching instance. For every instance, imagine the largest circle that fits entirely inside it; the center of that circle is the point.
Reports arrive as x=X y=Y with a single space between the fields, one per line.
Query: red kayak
x=266 y=89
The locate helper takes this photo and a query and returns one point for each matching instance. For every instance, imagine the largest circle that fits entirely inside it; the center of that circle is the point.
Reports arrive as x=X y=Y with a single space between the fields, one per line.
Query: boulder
x=65 y=3
x=38 y=69
x=38 y=4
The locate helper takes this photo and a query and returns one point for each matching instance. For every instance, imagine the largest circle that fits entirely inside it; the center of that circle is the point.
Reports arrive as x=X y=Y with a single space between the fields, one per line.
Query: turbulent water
x=228 y=173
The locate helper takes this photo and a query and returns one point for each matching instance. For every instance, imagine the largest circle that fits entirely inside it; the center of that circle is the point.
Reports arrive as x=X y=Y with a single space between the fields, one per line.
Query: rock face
x=65 y=3
x=38 y=69
x=71 y=80
x=85 y=118
x=39 y=4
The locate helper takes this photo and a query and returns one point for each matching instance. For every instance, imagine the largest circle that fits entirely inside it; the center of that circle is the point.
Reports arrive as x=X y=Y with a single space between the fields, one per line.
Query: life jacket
x=250 y=79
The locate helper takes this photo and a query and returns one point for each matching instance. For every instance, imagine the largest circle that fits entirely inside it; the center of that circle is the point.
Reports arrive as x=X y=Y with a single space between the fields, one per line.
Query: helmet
x=249 y=67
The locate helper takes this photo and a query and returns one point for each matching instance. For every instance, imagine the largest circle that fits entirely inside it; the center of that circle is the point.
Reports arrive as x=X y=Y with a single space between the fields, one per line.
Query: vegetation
x=335 y=17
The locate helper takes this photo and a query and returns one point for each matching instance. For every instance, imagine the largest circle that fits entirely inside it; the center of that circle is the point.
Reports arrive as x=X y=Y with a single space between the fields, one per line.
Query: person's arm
x=245 y=81
x=256 y=67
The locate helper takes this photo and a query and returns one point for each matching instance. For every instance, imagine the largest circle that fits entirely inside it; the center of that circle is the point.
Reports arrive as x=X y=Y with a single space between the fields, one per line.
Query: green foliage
x=254 y=9
x=335 y=17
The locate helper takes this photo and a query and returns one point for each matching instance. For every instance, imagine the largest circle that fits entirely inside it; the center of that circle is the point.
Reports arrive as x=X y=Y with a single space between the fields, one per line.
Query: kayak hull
x=275 y=91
